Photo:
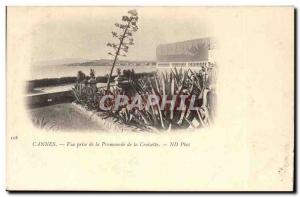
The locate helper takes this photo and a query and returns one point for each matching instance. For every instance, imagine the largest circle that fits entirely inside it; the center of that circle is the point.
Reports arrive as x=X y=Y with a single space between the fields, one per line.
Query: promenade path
x=57 y=89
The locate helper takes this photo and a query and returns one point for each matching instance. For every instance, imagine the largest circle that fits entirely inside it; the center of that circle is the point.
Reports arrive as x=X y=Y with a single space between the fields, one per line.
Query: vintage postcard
x=150 y=98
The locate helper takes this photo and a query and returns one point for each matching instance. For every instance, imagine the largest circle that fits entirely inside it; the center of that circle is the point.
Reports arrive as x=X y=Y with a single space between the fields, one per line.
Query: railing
x=196 y=65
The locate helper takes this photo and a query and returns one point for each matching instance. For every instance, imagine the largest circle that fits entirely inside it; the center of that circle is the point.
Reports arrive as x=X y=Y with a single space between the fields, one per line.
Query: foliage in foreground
x=177 y=82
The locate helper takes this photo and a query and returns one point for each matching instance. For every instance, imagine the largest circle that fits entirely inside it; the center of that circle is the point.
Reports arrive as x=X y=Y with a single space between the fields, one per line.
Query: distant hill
x=60 y=61
x=109 y=62
x=87 y=62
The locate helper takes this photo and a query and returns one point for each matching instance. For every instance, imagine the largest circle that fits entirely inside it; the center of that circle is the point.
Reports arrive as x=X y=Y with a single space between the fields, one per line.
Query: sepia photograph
x=103 y=74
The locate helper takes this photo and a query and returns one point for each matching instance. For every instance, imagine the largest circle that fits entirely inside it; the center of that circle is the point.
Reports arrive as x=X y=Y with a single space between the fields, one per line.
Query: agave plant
x=177 y=83
x=78 y=93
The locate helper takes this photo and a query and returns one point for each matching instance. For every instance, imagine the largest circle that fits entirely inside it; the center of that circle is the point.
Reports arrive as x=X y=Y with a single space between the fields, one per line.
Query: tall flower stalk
x=123 y=39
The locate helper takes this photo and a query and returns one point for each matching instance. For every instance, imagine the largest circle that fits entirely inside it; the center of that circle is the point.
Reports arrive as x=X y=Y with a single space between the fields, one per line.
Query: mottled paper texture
x=250 y=146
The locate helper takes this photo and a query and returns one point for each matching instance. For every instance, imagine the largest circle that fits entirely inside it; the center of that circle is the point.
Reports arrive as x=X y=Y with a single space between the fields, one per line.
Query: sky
x=82 y=32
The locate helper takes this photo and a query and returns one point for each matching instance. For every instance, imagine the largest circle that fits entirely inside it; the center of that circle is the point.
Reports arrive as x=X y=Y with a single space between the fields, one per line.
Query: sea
x=57 y=71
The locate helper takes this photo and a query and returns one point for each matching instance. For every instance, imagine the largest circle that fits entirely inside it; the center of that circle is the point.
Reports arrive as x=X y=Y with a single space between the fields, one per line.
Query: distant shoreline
x=45 y=82
x=70 y=70
x=101 y=62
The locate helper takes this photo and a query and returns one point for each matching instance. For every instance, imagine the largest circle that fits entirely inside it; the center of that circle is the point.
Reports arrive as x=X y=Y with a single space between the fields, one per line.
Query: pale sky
x=82 y=32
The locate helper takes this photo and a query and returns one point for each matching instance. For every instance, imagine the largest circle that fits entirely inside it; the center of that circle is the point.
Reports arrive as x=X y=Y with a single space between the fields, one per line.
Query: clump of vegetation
x=176 y=83
x=85 y=90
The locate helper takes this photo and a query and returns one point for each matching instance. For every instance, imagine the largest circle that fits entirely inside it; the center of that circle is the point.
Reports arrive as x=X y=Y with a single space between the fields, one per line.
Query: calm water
x=40 y=72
